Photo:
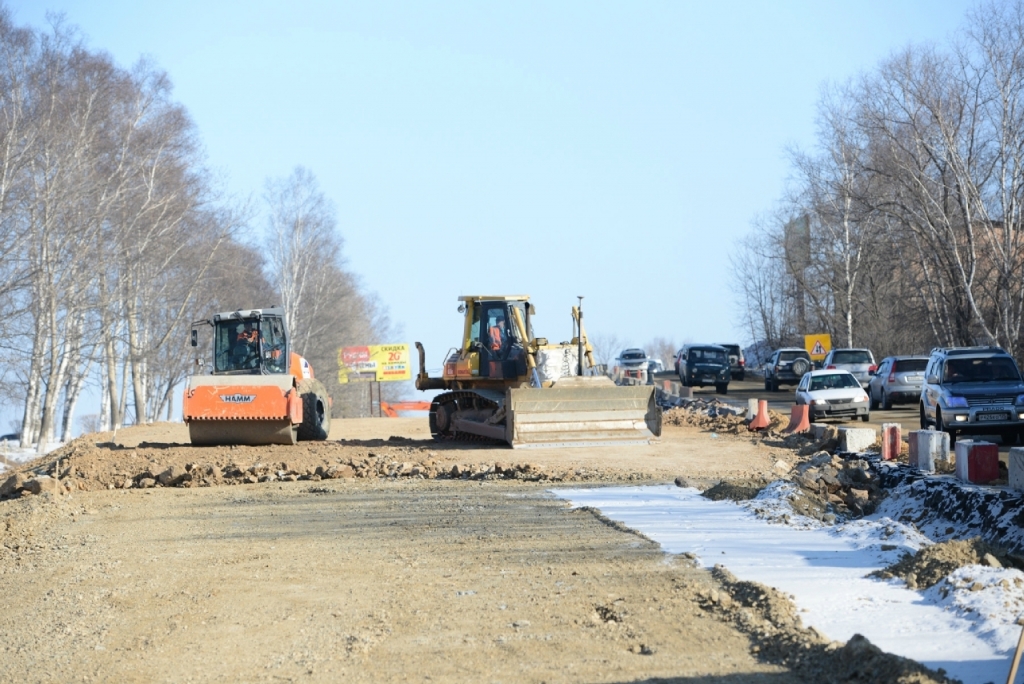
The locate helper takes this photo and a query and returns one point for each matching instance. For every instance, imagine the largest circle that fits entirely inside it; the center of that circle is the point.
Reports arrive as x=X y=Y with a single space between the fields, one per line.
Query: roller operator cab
x=258 y=390
x=503 y=383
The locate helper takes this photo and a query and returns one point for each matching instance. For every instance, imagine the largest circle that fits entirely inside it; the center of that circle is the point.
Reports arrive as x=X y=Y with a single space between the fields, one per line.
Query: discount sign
x=380 y=362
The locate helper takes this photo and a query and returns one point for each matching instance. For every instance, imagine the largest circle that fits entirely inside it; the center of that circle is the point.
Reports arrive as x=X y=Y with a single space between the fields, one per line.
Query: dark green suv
x=704 y=364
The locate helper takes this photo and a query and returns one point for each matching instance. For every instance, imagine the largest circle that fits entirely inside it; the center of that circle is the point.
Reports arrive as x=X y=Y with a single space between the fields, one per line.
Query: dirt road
x=375 y=578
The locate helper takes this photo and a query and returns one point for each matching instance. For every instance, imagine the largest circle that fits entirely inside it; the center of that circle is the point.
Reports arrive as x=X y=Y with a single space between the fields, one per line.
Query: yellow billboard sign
x=818 y=346
x=379 y=362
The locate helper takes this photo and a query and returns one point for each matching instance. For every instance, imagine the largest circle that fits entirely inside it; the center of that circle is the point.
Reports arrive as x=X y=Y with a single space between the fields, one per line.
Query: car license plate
x=993 y=416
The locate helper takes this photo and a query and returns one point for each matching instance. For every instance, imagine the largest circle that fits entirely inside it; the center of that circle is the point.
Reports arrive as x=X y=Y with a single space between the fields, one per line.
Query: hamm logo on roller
x=238 y=398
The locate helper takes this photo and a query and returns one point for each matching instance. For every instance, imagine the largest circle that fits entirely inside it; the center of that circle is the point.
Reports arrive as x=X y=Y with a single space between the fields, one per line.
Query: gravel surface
x=379 y=556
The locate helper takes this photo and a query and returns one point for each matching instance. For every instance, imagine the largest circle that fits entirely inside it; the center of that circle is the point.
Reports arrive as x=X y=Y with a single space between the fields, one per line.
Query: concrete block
x=977 y=462
x=912 y=457
x=751 y=409
x=818 y=431
x=891 y=441
x=1016 y=463
x=685 y=392
x=927 y=447
x=940 y=446
x=856 y=440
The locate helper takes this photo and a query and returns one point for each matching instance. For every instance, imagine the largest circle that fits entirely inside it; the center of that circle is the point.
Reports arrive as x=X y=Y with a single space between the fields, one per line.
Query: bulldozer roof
x=493 y=298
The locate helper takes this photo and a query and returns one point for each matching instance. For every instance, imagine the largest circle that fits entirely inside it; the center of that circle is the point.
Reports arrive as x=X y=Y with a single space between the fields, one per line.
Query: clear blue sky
x=614 y=150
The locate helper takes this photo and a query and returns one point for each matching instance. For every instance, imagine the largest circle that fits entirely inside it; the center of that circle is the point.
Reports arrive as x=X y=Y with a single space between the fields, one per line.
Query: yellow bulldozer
x=258 y=391
x=504 y=384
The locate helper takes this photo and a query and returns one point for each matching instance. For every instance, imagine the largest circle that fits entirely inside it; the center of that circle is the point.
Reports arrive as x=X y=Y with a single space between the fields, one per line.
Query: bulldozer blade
x=249 y=432
x=583 y=414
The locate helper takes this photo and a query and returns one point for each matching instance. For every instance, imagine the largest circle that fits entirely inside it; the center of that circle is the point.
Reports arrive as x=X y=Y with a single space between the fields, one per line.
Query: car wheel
x=886 y=402
x=742 y=376
x=775 y=386
x=767 y=385
x=722 y=388
x=872 y=402
x=866 y=417
x=924 y=421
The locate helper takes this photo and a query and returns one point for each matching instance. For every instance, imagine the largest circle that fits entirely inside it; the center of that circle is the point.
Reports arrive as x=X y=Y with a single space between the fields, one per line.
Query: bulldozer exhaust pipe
x=424 y=381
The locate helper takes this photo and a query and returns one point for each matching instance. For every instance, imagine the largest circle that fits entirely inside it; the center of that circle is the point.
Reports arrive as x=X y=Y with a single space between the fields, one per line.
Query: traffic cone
x=799 y=419
x=760 y=421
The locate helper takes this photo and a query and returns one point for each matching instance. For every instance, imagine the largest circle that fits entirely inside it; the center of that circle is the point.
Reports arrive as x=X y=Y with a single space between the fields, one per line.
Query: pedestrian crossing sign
x=818 y=346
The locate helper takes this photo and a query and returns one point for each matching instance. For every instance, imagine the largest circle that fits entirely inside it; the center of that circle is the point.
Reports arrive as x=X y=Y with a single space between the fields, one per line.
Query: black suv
x=704 y=364
x=785 y=367
x=973 y=389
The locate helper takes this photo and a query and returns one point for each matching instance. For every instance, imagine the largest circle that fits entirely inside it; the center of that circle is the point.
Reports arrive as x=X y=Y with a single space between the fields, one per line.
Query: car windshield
x=632 y=355
x=851 y=356
x=833 y=381
x=790 y=355
x=990 y=369
x=708 y=354
x=909 y=365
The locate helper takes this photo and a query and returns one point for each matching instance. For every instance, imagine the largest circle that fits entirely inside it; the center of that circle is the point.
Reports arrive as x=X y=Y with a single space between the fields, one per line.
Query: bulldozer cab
x=494 y=334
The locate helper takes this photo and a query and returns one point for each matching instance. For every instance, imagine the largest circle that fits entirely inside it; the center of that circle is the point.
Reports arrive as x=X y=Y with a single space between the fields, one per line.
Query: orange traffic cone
x=799 y=419
x=760 y=421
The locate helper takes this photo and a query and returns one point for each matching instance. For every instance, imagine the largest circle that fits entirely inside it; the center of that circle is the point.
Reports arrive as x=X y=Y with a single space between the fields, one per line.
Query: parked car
x=833 y=393
x=655 y=366
x=633 y=363
x=704 y=364
x=737 y=364
x=860 y=362
x=897 y=380
x=11 y=437
x=973 y=390
x=786 y=366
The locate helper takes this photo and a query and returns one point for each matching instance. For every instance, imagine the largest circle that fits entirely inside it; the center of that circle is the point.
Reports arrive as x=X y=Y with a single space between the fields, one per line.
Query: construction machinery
x=259 y=391
x=504 y=384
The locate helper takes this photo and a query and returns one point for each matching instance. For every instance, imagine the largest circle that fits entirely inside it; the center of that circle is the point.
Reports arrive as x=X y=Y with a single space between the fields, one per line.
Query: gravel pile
x=717 y=416
x=932 y=564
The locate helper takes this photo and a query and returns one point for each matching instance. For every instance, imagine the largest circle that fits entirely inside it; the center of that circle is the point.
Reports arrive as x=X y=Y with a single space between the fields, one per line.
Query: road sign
x=380 y=362
x=818 y=346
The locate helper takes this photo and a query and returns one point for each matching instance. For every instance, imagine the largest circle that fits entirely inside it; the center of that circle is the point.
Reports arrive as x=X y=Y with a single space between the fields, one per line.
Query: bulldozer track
x=460 y=400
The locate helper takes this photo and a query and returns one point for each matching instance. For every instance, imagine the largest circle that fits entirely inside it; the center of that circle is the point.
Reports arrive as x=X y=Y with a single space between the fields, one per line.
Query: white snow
x=971 y=634
x=11 y=453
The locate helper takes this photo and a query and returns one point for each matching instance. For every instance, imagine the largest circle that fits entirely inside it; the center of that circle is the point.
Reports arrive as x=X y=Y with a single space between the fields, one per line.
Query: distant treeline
x=902 y=229
x=114 y=238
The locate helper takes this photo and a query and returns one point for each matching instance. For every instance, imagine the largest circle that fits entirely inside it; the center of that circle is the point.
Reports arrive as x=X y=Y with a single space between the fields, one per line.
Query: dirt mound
x=932 y=564
x=735 y=490
x=772 y=621
x=124 y=461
